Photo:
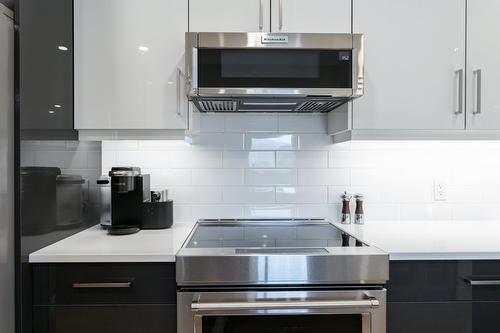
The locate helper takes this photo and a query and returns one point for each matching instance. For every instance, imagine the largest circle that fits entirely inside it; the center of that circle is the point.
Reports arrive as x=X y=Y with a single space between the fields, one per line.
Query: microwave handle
x=270 y=305
x=459 y=77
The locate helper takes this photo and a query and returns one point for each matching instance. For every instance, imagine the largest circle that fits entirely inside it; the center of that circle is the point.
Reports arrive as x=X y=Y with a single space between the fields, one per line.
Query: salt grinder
x=346 y=211
x=359 y=215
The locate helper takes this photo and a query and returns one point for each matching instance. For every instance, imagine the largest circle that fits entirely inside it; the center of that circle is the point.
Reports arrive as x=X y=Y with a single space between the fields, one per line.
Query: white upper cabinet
x=311 y=16
x=414 y=64
x=483 y=64
x=229 y=15
x=127 y=59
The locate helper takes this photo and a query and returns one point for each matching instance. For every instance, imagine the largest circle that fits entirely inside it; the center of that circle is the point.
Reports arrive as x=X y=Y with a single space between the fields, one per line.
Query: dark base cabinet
x=444 y=297
x=105 y=319
x=104 y=298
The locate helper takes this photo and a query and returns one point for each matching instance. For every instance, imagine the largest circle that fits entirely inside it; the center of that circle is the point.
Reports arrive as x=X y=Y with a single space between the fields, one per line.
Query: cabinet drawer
x=105 y=319
x=106 y=283
x=421 y=281
x=484 y=280
x=445 y=317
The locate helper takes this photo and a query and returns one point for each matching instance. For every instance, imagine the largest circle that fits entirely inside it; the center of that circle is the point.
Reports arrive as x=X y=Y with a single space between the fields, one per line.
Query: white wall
x=285 y=166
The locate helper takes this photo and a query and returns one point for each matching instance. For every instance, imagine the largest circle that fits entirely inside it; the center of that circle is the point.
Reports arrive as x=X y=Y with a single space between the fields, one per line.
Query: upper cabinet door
x=229 y=15
x=128 y=56
x=414 y=64
x=46 y=64
x=311 y=16
x=483 y=67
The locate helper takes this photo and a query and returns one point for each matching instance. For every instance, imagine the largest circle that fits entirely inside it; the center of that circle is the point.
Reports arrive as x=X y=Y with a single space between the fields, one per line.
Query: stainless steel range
x=286 y=275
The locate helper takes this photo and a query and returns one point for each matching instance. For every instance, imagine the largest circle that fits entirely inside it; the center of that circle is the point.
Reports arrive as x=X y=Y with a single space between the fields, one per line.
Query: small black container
x=157 y=215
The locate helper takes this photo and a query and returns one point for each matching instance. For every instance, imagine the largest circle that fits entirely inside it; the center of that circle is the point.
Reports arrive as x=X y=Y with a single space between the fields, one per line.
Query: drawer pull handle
x=88 y=285
x=473 y=282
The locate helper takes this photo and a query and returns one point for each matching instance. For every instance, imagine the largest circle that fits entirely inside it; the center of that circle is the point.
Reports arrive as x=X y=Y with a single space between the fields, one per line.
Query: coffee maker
x=129 y=191
x=128 y=205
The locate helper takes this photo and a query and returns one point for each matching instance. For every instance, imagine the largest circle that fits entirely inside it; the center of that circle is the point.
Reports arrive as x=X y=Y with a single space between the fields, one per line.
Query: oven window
x=274 y=68
x=321 y=323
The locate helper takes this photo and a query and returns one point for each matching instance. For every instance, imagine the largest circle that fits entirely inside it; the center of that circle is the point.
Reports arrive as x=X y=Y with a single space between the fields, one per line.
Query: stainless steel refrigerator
x=7 y=258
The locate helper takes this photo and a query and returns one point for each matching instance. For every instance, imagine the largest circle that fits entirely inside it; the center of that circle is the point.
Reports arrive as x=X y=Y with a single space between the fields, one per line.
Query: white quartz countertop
x=437 y=240
x=95 y=245
x=403 y=240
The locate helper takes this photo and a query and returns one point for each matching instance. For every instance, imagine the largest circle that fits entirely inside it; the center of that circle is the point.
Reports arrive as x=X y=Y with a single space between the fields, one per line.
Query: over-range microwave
x=273 y=72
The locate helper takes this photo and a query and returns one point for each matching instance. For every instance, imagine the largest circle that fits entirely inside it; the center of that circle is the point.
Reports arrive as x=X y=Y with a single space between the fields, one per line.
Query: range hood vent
x=268 y=104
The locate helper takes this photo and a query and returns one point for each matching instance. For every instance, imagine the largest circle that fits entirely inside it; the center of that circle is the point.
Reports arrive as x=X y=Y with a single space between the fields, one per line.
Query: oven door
x=282 y=311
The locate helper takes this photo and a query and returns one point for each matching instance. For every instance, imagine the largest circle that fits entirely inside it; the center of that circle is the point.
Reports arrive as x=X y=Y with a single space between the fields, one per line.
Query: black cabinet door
x=432 y=317
x=486 y=317
x=46 y=66
x=105 y=319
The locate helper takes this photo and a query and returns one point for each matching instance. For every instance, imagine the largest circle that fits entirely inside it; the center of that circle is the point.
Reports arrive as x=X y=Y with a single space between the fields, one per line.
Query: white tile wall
x=72 y=157
x=285 y=166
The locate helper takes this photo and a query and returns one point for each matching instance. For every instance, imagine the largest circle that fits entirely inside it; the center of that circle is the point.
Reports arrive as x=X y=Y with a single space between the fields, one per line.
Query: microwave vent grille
x=224 y=106
x=318 y=106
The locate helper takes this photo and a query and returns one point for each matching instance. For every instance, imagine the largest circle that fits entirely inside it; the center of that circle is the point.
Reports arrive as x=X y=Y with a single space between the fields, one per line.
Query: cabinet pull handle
x=477 y=91
x=178 y=83
x=459 y=76
x=280 y=14
x=89 y=285
x=261 y=15
x=491 y=282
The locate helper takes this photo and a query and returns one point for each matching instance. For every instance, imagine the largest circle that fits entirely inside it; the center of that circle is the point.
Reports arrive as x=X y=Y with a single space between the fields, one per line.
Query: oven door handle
x=269 y=305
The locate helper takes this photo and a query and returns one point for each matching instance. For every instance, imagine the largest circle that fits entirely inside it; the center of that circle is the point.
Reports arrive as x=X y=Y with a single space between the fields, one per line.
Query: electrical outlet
x=440 y=191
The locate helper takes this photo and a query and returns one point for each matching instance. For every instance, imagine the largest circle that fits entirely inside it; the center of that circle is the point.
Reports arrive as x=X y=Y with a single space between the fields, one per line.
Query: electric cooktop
x=276 y=251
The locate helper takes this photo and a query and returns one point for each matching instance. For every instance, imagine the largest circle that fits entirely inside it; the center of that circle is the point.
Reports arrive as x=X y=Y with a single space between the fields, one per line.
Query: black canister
x=157 y=215
x=38 y=199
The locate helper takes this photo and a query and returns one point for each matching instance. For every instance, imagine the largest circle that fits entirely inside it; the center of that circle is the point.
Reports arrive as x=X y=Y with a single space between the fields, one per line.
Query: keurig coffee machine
x=129 y=191
x=131 y=205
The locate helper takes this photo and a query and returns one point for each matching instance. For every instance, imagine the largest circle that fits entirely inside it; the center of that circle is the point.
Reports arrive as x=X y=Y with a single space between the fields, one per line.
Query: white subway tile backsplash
x=251 y=123
x=217 y=211
x=268 y=165
x=302 y=195
x=270 y=211
x=270 y=176
x=249 y=159
x=323 y=177
x=303 y=123
x=269 y=141
x=195 y=195
x=314 y=142
x=64 y=159
x=161 y=178
x=218 y=177
x=302 y=159
x=246 y=195
x=227 y=141
x=143 y=159
x=195 y=159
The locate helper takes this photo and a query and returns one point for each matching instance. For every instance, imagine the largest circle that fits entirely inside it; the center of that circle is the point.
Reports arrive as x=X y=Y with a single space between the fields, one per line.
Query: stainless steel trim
x=473 y=282
x=477 y=91
x=280 y=15
x=267 y=305
x=261 y=15
x=282 y=92
x=242 y=40
x=269 y=103
x=303 y=303
x=459 y=81
x=87 y=285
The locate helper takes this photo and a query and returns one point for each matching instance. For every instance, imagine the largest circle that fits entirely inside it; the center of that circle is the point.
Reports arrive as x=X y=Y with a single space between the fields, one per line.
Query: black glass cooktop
x=267 y=234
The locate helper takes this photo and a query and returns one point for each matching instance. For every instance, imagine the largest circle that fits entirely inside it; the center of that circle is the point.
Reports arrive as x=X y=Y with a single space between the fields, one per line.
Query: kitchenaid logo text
x=274 y=39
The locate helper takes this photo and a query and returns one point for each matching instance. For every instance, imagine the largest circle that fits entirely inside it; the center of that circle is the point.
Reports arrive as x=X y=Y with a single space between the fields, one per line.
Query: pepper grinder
x=346 y=210
x=359 y=215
